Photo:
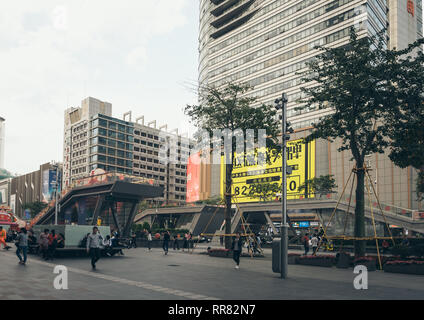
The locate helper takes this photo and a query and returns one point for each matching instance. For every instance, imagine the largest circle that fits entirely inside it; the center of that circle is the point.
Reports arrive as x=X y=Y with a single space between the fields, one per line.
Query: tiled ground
x=152 y=275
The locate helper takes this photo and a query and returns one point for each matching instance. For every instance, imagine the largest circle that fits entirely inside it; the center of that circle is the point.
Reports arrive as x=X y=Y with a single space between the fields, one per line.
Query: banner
x=193 y=178
x=248 y=173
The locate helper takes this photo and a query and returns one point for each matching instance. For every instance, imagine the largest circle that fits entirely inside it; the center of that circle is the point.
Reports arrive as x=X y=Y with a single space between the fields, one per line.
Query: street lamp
x=281 y=104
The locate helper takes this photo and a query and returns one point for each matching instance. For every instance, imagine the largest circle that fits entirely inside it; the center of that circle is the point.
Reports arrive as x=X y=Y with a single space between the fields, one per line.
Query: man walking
x=166 y=238
x=94 y=242
x=237 y=246
x=314 y=242
x=22 y=246
x=3 y=237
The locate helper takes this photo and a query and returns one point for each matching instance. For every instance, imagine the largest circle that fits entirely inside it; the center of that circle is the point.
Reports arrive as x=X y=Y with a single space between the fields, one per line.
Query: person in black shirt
x=237 y=246
x=166 y=238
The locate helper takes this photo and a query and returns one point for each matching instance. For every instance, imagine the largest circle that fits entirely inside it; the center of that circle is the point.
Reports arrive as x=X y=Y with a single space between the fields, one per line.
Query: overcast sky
x=138 y=55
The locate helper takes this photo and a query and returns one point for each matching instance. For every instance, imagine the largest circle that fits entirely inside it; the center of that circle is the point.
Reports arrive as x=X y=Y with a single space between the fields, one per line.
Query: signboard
x=304 y=224
x=247 y=173
x=49 y=185
x=3 y=196
x=193 y=178
x=13 y=203
x=410 y=7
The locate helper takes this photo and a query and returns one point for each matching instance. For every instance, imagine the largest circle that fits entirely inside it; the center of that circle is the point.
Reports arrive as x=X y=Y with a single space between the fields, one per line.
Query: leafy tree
x=319 y=185
x=228 y=107
x=265 y=191
x=35 y=207
x=355 y=83
x=4 y=174
x=406 y=120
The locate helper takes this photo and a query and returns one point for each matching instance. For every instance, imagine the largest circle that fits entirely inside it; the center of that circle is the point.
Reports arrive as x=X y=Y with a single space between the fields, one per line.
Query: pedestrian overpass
x=405 y=218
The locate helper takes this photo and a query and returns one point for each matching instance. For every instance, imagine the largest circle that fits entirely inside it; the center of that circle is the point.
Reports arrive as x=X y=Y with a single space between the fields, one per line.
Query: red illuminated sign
x=410 y=7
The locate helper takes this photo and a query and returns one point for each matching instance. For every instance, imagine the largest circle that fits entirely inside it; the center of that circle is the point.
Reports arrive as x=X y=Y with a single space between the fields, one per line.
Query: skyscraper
x=265 y=42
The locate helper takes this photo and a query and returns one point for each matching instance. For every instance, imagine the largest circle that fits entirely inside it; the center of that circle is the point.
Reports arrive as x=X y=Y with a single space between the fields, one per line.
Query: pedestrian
x=3 y=236
x=149 y=240
x=305 y=241
x=52 y=245
x=133 y=240
x=166 y=238
x=385 y=245
x=237 y=247
x=44 y=243
x=94 y=242
x=22 y=246
x=185 y=242
x=314 y=243
x=176 y=243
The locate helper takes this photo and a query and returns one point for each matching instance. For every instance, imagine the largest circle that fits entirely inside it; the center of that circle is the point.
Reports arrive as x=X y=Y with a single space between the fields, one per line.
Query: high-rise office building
x=265 y=42
x=95 y=140
x=2 y=142
x=405 y=22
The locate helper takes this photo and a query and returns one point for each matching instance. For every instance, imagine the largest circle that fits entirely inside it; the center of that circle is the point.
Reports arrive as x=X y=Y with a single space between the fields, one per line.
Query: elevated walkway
x=405 y=218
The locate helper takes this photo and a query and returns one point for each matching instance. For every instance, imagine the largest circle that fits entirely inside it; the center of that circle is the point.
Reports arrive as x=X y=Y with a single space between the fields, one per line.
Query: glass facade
x=270 y=48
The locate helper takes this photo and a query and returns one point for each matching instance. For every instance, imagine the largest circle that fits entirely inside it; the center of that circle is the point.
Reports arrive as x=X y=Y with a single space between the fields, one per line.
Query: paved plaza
x=141 y=274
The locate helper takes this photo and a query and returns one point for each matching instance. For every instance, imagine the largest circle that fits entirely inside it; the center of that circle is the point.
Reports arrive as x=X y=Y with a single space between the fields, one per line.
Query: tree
x=35 y=207
x=228 y=108
x=319 y=185
x=355 y=84
x=406 y=121
x=4 y=174
x=265 y=191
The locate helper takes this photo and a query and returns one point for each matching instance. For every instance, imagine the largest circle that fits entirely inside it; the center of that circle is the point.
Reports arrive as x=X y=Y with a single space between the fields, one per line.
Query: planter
x=405 y=268
x=316 y=261
x=220 y=253
x=344 y=261
x=369 y=264
x=293 y=258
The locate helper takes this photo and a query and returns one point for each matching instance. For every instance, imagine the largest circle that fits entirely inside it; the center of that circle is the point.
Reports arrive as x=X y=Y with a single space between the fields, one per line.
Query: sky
x=141 y=56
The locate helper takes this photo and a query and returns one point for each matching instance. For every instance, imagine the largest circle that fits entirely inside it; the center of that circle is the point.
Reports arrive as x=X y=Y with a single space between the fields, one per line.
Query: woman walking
x=237 y=246
x=22 y=246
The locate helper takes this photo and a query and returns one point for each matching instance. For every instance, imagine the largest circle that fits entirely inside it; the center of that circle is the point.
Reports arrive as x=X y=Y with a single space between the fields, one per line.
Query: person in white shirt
x=314 y=243
x=149 y=240
x=94 y=242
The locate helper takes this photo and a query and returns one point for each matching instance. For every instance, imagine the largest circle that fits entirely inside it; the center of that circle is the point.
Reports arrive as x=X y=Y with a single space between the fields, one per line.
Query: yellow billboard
x=248 y=174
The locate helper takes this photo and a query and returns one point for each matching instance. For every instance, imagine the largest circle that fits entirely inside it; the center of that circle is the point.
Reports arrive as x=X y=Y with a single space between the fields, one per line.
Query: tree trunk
x=359 y=213
x=228 y=183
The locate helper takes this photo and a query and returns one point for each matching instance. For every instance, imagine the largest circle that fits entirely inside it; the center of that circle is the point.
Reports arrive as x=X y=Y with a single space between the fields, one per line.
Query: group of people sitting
x=49 y=241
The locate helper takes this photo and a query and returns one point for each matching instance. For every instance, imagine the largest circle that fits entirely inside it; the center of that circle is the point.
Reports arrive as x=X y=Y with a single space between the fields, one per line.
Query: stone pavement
x=152 y=275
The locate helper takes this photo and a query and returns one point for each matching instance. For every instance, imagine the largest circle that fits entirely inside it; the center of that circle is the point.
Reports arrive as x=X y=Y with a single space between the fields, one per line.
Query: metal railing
x=414 y=215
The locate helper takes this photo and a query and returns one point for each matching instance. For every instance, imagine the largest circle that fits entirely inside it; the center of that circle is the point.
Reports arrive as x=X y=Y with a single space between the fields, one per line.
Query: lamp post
x=281 y=104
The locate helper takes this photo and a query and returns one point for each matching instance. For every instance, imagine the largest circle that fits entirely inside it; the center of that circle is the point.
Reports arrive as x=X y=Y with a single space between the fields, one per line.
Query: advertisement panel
x=247 y=174
x=193 y=178
x=3 y=196
x=13 y=203
x=49 y=181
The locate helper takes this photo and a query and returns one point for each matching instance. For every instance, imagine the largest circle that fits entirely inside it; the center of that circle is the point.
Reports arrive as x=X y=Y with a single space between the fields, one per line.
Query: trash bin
x=276 y=252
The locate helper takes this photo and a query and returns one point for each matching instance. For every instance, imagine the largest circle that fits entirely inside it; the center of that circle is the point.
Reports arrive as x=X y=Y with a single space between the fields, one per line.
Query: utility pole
x=282 y=104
